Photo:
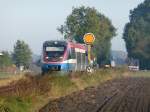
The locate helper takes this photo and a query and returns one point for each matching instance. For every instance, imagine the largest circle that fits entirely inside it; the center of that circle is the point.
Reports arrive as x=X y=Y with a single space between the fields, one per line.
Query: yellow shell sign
x=89 y=38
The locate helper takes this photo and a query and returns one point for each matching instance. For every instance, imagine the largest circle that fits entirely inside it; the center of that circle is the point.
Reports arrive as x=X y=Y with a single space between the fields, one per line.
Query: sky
x=36 y=21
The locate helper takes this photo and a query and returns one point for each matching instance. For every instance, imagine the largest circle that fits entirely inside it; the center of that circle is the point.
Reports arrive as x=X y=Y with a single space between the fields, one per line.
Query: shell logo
x=89 y=38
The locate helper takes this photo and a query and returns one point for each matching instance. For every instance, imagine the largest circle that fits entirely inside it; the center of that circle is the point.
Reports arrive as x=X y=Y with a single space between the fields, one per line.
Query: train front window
x=55 y=52
x=55 y=49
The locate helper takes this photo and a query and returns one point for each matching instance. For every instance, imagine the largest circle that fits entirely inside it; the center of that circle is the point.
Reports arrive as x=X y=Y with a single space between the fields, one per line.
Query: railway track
x=26 y=86
x=15 y=89
x=119 y=95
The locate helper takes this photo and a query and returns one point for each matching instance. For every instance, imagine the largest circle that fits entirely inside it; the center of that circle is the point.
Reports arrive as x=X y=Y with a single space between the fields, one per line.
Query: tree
x=5 y=59
x=84 y=20
x=22 y=54
x=137 y=34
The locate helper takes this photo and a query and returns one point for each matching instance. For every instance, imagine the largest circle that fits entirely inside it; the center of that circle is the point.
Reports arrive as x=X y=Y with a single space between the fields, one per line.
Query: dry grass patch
x=10 y=79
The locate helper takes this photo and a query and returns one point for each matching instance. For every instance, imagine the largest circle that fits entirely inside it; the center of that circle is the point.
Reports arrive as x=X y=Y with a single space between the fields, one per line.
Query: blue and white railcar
x=64 y=56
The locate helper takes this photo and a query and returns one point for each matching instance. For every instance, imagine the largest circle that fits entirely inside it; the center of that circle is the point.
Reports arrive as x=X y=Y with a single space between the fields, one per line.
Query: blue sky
x=35 y=21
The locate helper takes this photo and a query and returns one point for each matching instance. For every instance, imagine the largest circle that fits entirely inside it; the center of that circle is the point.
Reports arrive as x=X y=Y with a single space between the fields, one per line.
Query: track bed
x=119 y=95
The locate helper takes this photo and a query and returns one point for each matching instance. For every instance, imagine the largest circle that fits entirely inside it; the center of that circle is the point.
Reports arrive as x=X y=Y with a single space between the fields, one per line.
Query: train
x=64 y=56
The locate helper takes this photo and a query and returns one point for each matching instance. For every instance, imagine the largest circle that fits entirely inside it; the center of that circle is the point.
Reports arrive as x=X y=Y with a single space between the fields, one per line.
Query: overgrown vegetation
x=32 y=92
x=21 y=95
x=15 y=104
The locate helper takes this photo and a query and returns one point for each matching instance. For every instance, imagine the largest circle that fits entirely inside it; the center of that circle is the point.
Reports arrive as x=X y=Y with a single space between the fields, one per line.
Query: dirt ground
x=119 y=95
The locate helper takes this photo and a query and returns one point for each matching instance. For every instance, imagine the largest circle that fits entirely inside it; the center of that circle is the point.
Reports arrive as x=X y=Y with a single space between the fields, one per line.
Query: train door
x=71 y=59
x=68 y=60
x=81 y=61
x=72 y=63
x=76 y=67
x=78 y=61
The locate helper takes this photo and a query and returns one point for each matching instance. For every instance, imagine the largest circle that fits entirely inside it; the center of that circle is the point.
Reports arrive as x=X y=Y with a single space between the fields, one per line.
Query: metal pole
x=89 y=53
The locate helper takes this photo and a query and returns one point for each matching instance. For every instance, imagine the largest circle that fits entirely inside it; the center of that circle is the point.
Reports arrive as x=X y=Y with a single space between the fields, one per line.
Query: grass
x=15 y=104
x=7 y=78
x=55 y=85
x=5 y=75
x=141 y=74
x=61 y=85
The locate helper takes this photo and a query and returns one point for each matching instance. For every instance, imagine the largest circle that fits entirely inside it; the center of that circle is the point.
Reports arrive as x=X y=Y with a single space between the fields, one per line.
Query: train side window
x=73 y=55
x=69 y=54
x=83 y=58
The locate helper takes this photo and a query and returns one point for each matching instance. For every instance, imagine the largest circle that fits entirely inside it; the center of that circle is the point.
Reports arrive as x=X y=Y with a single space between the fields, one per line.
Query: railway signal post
x=89 y=39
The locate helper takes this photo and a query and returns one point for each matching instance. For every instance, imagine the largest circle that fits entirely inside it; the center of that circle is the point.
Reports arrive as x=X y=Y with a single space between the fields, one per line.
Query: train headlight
x=46 y=57
x=55 y=42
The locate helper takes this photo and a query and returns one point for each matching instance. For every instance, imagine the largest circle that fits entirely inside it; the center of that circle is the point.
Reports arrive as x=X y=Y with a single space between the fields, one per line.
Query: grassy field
x=6 y=78
x=5 y=75
x=56 y=85
x=141 y=74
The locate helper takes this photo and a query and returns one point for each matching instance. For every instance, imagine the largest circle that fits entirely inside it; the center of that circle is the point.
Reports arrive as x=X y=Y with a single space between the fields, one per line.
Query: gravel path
x=119 y=95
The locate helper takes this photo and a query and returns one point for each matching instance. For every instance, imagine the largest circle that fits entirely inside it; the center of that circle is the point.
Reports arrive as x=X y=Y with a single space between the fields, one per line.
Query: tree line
x=136 y=33
x=21 y=56
x=84 y=20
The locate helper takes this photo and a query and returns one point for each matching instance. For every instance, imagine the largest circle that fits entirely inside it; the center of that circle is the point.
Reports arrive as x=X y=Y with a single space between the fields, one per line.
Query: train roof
x=63 y=42
x=54 y=42
x=77 y=45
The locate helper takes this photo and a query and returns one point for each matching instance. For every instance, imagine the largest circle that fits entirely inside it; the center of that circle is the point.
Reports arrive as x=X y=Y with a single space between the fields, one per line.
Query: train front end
x=54 y=53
